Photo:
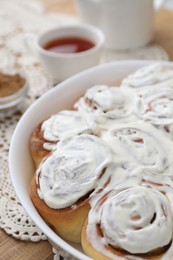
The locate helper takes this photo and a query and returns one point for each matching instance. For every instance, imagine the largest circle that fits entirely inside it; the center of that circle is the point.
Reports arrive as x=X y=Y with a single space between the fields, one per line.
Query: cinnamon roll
x=135 y=223
x=156 y=75
x=158 y=109
x=140 y=144
x=63 y=124
x=154 y=86
x=109 y=105
x=64 y=180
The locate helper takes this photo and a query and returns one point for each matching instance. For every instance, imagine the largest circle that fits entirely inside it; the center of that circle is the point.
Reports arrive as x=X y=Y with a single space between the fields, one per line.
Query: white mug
x=63 y=65
x=127 y=24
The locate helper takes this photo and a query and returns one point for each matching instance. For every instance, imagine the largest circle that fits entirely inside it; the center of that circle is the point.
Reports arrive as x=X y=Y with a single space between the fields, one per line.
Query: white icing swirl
x=137 y=220
x=154 y=86
x=158 y=110
x=155 y=75
x=109 y=105
x=65 y=123
x=140 y=144
x=72 y=170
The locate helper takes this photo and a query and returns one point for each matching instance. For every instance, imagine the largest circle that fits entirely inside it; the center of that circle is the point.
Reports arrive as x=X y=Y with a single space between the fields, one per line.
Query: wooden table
x=11 y=248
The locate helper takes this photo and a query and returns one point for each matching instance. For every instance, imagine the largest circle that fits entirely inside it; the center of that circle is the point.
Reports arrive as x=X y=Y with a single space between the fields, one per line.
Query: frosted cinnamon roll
x=154 y=86
x=133 y=224
x=65 y=179
x=63 y=124
x=109 y=105
x=152 y=76
x=158 y=109
x=139 y=145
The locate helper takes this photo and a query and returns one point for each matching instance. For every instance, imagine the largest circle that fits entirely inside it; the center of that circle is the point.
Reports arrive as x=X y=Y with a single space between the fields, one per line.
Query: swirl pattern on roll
x=140 y=144
x=158 y=109
x=136 y=221
x=109 y=105
x=63 y=124
x=72 y=170
x=156 y=75
x=154 y=86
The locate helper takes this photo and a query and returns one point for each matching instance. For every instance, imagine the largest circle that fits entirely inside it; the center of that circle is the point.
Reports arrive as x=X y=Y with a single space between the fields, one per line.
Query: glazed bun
x=66 y=222
x=59 y=126
x=135 y=222
x=64 y=180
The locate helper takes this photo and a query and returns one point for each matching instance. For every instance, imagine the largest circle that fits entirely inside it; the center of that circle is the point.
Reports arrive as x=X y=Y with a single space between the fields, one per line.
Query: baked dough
x=64 y=180
x=67 y=222
x=37 y=146
x=46 y=135
x=134 y=222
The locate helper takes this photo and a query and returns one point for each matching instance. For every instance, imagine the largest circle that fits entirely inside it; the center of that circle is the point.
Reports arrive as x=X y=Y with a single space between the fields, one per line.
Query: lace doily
x=15 y=55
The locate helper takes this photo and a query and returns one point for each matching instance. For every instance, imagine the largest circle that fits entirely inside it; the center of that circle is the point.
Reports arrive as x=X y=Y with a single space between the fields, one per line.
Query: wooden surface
x=11 y=248
x=163 y=30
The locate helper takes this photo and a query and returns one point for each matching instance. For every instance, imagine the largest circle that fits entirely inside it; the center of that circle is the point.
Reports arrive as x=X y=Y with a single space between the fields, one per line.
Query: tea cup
x=62 y=65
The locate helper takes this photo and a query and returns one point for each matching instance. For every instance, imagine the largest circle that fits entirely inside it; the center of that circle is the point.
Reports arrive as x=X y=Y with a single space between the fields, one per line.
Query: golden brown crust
x=96 y=254
x=67 y=222
x=88 y=248
x=36 y=146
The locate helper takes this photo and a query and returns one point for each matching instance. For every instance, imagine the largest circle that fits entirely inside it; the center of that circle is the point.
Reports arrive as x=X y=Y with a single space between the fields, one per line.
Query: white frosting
x=158 y=109
x=148 y=163
x=154 y=86
x=72 y=170
x=155 y=75
x=159 y=106
x=65 y=123
x=127 y=168
x=137 y=220
x=109 y=105
x=140 y=145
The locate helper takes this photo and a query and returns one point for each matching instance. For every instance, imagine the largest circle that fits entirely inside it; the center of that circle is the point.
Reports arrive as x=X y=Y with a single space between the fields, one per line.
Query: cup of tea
x=66 y=50
x=127 y=24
